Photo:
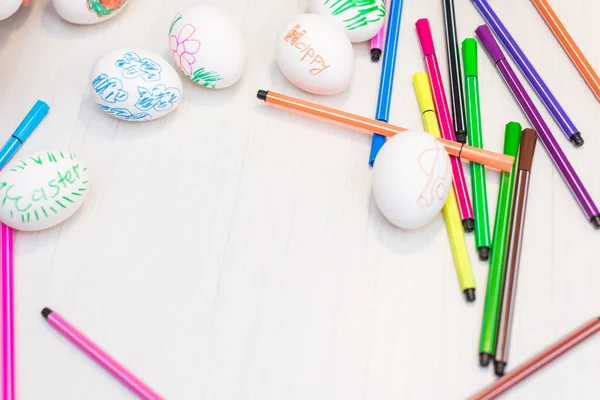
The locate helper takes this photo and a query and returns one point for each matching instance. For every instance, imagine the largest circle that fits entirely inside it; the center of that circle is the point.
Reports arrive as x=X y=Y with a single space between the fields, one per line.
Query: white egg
x=135 y=85
x=208 y=46
x=315 y=54
x=86 y=12
x=361 y=19
x=42 y=189
x=9 y=7
x=411 y=179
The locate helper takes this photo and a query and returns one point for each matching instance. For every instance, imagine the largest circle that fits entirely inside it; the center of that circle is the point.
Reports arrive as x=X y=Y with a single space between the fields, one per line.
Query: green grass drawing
x=205 y=78
x=367 y=11
x=173 y=24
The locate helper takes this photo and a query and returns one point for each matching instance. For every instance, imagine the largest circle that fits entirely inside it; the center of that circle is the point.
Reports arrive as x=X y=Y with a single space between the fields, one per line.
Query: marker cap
x=469 y=49
x=489 y=42
x=512 y=138
x=528 y=140
x=423 y=90
x=31 y=120
x=425 y=38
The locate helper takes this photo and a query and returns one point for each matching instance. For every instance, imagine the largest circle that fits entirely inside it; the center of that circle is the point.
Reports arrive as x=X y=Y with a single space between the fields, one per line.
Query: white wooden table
x=233 y=251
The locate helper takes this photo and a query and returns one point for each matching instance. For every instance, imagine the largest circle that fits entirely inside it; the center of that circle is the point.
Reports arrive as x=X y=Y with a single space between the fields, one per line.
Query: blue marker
x=23 y=131
x=386 y=82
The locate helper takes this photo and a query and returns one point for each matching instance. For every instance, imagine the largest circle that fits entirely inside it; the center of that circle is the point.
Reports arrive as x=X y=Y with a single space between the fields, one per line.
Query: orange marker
x=567 y=42
x=490 y=159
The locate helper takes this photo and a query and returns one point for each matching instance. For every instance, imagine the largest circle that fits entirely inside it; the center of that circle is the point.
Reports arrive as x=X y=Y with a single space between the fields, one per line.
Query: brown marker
x=539 y=361
x=513 y=249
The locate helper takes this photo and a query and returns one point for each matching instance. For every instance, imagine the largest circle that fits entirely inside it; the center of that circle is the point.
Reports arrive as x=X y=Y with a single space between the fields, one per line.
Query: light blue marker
x=388 y=67
x=23 y=131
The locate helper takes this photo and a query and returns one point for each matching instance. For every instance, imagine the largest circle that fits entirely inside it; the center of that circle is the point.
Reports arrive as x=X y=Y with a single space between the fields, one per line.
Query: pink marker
x=8 y=317
x=377 y=41
x=97 y=354
x=445 y=122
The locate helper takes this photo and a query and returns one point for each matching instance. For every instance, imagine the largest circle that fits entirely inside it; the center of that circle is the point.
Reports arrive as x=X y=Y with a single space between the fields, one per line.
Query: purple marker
x=550 y=144
x=377 y=41
x=535 y=80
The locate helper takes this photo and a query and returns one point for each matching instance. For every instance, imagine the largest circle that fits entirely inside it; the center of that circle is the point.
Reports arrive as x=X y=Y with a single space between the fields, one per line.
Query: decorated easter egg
x=42 y=189
x=9 y=7
x=411 y=179
x=208 y=46
x=85 y=12
x=361 y=19
x=135 y=85
x=315 y=54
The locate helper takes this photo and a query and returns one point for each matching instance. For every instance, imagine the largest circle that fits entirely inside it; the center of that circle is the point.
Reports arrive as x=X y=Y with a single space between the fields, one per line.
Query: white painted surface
x=233 y=251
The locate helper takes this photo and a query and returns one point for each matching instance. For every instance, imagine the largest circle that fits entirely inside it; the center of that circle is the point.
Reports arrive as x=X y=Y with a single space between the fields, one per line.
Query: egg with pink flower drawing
x=207 y=46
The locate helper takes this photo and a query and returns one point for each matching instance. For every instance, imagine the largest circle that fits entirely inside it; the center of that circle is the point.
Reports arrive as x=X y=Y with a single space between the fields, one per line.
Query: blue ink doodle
x=109 y=90
x=161 y=98
x=133 y=66
x=125 y=114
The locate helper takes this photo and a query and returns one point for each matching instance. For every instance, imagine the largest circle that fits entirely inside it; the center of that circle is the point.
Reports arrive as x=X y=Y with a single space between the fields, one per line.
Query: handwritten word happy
x=307 y=52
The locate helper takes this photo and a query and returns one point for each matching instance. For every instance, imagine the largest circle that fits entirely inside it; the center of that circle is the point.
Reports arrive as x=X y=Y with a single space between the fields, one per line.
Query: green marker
x=493 y=296
x=478 y=184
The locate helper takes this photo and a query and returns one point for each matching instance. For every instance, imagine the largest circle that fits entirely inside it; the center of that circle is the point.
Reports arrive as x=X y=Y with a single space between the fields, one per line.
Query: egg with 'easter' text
x=315 y=54
x=86 y=12
x=208 y=46
x=412 y=177
x=361 y=19
x=42 y=189
x=135 y=85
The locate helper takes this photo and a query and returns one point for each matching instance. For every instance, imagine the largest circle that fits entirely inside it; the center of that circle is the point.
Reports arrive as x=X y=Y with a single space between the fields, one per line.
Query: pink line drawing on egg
x=184 y=48
x=435 y=185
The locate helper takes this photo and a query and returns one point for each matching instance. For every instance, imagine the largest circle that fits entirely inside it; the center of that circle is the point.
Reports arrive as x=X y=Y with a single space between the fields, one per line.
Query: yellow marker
x=456 y=232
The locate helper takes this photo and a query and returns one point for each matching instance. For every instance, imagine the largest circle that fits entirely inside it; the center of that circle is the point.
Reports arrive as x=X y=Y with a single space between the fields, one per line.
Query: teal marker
x=478 y=185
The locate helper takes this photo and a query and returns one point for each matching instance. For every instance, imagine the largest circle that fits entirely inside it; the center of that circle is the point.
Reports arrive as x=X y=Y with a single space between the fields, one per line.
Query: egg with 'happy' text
x=411 y=179
x=208 y=46
x=315 y=54
x=86 y=12
x=42 y=189
x=135 y=85
x=361 y=19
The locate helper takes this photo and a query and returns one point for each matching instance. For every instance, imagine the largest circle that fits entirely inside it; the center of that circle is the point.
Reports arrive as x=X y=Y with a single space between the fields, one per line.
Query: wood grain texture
x=233 y=251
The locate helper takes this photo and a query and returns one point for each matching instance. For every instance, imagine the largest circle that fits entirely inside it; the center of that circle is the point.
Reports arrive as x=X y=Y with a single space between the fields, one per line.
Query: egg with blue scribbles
x=412 y=177
x=42 y=189
x=135 y=85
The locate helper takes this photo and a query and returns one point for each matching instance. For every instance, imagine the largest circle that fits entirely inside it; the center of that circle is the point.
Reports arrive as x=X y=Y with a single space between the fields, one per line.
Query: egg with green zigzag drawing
x=42 y=189
x=361 y=19
x=207 y=46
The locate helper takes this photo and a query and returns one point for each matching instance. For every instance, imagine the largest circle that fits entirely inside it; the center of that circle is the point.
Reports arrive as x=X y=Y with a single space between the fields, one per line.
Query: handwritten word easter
x=125 y=114
x=161 y=98
x=62 y=188
x=367 y=11
x=133 y=66
x=109 y=90
x=306 y=50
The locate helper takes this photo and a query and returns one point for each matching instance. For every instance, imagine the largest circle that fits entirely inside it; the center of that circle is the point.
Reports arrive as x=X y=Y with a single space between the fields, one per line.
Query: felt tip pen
x=445 y=121
x=514 y=248
x=550 y=144
x=534 y=78
x=378 y=40
x=99 y=356
x=488 y=158
x=386 y=81
x=456 y=233
x=483 y=240
x=493 y=294
x=456 y=85
x=23 y=131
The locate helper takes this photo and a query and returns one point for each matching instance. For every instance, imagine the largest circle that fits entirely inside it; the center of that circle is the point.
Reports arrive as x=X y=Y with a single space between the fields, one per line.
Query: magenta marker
x=97 y=354
x=377 y=41
x=550 y=144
